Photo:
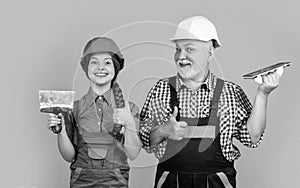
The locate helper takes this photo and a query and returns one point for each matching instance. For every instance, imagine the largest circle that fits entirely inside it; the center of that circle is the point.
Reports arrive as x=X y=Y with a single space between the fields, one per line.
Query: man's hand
x=269 y=83
x=174 y=129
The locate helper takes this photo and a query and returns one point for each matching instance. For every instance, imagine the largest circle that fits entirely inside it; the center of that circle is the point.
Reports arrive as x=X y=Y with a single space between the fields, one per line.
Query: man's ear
x=211 y=54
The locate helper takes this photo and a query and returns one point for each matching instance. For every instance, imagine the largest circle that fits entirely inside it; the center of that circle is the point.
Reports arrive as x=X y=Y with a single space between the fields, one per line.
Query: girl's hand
x=124 y=117
x=54 y=120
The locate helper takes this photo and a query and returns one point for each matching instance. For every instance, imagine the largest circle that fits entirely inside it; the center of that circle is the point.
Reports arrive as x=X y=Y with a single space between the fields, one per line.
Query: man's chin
x=184 y=75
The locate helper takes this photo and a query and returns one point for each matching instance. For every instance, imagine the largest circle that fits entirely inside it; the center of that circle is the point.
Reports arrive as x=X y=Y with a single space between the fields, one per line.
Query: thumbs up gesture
x=124 y=117
x=174 y=129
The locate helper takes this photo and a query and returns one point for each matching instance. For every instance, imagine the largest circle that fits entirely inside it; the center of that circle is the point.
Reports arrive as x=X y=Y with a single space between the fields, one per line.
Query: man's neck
x=196 y=83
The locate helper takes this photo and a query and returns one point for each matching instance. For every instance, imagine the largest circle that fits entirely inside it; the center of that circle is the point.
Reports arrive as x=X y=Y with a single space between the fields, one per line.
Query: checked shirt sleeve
x=155 y=112
x=243 y=110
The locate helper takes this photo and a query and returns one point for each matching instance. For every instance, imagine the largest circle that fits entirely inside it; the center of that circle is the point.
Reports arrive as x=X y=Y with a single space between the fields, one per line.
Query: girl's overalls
x=98 y=161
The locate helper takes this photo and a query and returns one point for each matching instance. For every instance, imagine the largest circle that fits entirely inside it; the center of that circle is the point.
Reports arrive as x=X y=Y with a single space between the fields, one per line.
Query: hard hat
x=197 y=28
x=99 y=45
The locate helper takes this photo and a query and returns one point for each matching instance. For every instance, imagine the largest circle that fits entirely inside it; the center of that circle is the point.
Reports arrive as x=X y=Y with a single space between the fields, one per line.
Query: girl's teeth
x=101 y=74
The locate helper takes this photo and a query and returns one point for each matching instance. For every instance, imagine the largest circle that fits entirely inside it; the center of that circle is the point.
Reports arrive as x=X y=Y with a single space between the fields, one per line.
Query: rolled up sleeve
x=71 y=128
x=243 y=112
x=154 y=113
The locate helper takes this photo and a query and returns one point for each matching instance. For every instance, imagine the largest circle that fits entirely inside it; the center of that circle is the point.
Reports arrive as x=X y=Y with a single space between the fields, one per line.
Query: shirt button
x=98 y=122
x=204 y=86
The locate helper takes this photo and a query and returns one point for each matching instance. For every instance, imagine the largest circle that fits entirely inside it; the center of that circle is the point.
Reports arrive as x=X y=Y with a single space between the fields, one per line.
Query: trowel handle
x=56 y=129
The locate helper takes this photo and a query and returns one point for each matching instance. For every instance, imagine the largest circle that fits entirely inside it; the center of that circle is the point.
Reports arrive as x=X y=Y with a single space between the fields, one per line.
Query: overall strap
x=216 y=97
x=174 y=100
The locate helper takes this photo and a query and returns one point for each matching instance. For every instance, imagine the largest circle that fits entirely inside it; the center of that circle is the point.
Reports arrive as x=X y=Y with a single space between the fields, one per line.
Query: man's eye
x=178 y=50
x=189 y=50
x=108 y=62
x=93 y=62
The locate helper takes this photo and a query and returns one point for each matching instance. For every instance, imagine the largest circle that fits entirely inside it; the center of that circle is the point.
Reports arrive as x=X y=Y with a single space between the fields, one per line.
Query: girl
x=98 y=136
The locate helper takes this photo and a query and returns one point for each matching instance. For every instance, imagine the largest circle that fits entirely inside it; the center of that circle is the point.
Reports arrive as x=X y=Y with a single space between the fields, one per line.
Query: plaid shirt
x=234 y=109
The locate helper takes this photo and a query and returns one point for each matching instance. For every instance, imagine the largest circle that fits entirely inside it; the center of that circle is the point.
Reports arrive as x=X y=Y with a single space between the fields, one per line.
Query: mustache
x=188 y=60
x=177 y=59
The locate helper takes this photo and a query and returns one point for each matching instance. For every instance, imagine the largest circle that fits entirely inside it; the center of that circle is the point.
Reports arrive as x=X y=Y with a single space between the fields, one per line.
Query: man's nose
x=182 y=55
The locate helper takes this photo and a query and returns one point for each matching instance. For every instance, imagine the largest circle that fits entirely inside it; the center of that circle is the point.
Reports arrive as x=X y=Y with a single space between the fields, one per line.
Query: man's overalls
x=98 y=161
x=197 y=159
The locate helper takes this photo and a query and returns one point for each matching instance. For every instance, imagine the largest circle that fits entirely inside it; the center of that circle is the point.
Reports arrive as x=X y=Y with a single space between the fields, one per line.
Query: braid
x=120 y=103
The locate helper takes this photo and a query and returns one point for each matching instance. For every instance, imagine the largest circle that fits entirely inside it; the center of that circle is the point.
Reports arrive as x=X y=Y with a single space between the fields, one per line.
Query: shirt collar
x=207 y=84
x=92 y=96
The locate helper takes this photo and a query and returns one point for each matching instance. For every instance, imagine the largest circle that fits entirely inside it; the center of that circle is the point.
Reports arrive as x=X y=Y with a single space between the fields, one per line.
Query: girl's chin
x=102 y=82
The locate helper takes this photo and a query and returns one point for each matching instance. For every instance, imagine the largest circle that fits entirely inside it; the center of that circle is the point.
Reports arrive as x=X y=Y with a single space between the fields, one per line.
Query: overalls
x=197 y=159
x=98 y=161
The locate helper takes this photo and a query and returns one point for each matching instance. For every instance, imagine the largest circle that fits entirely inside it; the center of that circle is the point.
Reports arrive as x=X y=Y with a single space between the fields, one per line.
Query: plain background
x=41 y=43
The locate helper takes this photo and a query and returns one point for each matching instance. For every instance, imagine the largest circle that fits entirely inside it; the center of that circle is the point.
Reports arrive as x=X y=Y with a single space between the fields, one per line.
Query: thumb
x=127 y=106
x=175 y=112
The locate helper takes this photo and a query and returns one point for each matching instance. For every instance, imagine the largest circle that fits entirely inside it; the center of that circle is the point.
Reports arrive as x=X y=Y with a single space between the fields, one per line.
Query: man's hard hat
x=197 y=28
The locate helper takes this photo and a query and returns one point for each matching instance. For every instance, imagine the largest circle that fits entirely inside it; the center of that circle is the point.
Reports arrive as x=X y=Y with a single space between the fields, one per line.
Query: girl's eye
x=108 y=62
x=93 y=62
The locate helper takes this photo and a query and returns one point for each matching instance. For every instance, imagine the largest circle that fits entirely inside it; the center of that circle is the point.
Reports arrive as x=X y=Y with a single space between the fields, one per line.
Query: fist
x=124 y=117
x=175 y=129
x=55 y=120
